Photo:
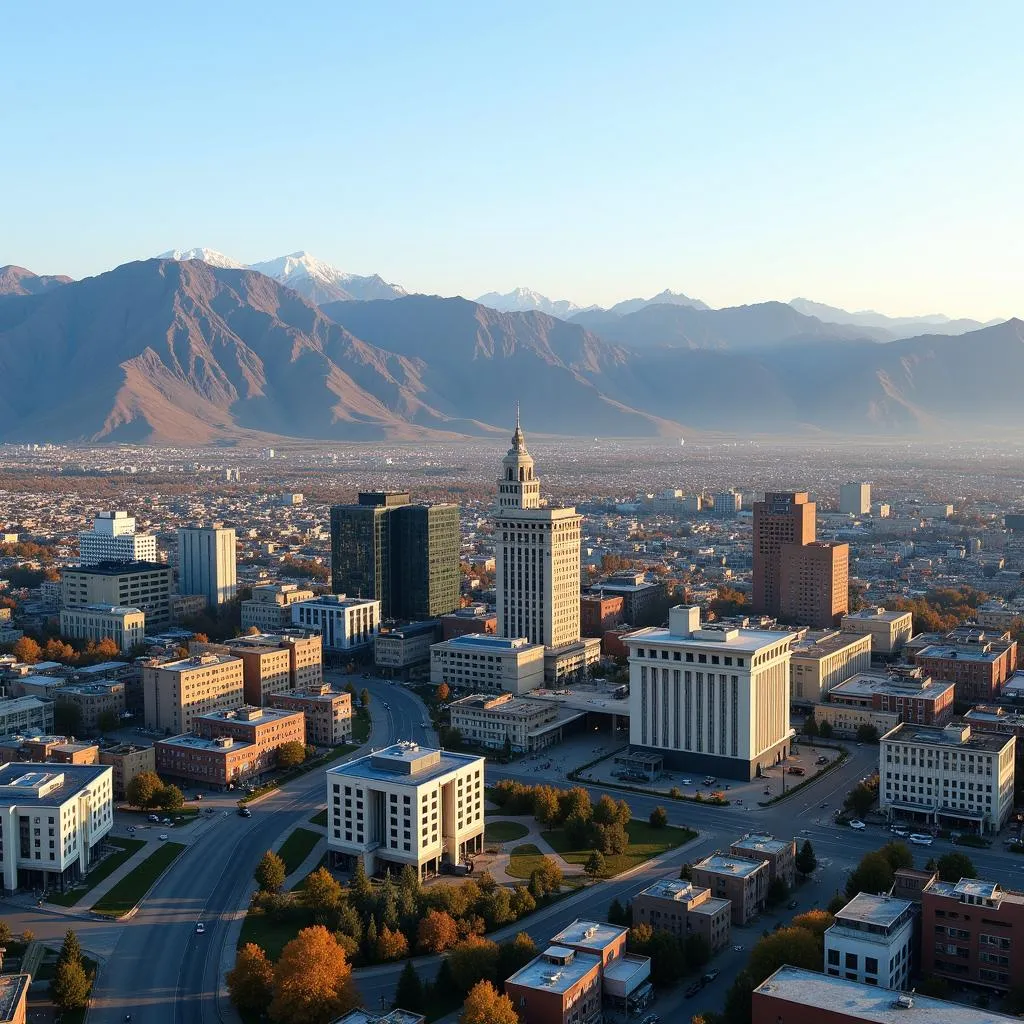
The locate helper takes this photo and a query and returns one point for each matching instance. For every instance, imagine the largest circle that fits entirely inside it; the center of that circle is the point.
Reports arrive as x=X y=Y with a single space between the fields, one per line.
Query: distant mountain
x=525 y=300
x=210 y=256
x=897 y=326
x=19 y=281
x=665 y=298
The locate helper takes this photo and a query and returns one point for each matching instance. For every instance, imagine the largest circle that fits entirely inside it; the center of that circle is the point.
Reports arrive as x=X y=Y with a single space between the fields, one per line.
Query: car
x=244 y=812
x=694 y=990
x=200 y=928
x=738 y=949
x=901 y=832
x=164 y=837
x=167 y=821
x=710 y=976
x=155 y=818
x=919 y=839
x=651 y=1018
x=791 y=905
x=822 y=760
x=131 y=830
x=858 y=825
x=687 y=782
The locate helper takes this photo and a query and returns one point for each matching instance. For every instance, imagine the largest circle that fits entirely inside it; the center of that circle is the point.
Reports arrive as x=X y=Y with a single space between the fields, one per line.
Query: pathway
x=497 y=863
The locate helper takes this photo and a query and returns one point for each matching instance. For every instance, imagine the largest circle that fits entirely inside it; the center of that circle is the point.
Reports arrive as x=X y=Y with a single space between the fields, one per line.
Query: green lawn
x=104 y=869
x=361 y=726
x=297 y=847
x=133 y=887
x=320 y=818
x=504 y=831
x=273 y=932
x=644 y=842
x=524 y=860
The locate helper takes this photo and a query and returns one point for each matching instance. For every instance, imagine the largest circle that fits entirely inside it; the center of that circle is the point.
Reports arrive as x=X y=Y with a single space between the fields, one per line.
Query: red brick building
x=599 y=614
x=978 y=668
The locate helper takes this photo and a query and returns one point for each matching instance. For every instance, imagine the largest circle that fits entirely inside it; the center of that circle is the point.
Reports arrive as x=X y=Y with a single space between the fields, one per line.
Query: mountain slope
x=209 y=256
x=320 y=282
x=897 y=326
x=19 y=281
x=526 y=300
x=665 y=298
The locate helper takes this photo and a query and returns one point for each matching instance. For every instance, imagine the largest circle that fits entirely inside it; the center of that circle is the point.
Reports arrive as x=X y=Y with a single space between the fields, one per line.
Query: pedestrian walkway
x=497 y=863
x=94 y=895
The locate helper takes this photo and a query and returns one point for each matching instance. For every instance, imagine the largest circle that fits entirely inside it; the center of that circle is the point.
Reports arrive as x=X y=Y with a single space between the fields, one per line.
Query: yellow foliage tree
x=312 y=980
x=483 y=1005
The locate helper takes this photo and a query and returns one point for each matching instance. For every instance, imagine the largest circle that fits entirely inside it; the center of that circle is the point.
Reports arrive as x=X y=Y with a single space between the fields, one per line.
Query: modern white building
x=492 y=721
x=113 y=539
x=125 y=626
x=947 y=776
x=711 y=699
x=855 y=499
x=346 y=623
x=479 y=661
x=406 y=804
x=727 y=503
x=52 y=819
x=889 y=631
x=270 y=607
x=206 y=562
x=871 y=941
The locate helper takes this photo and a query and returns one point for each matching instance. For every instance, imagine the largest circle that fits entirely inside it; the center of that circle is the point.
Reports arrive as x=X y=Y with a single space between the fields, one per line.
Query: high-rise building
x=855 y=499
x=113 y=539
x=142 y=585
x=782 y=518
x=815 y=583
x=406 y=556
x=206 y=562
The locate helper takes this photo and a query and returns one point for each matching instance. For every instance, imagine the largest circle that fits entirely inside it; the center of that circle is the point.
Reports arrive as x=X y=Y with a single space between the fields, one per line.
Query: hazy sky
x=866 y=154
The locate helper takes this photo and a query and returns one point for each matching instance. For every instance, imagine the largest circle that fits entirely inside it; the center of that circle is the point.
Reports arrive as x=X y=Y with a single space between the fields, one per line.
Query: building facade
x=872 y=941
x=818 y=663
x=561 y=986
x=328 y=713
x=269 y=608
x=127 y=760
x=25 y=714
x=815 y=583
x=855 y=499
x=113 y=539
x=779 y=853
x=489 y=721
x=599 y=613
x=783 y=518
x=908 y=694
x=125 y=626
x=206 y=563
x=889 y=631
x=979 y=668
x=643 y=603
x=98 y=702
x=347 y=624
x=488 y=663
x=740 y=880
x=475 y=619
x=683 y=909
x=274 y=663
x=399 y=650
x=175 y=693
x=142 y=585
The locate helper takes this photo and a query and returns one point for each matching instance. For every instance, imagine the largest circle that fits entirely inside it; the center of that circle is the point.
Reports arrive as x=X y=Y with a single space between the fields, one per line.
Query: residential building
x=488 y=663
x=727 y=503
x=276 y=662
x=742 y=881
x=872 y=941
x=142 y=585
x=997 y=615
x=780 y=854
x=101 y=703
x=176 y=692
x=599 y=613
x=347 y=624
x=818 y=662
x=113 y=539
x=783 y=518
x=328 y=713
x=125 y=626
x=269 y=608
x=206 y=563
x=492 y=721
x=52 y=820
x=127 y=760
x=948 y=776
x=979 y=667
x=815 y=583
x=680 y=907
x=793 y=995
x=855 y=499
x=74 y=753
x=991 y=718
x=399 y=650
x=396 y=1016
x=710 y=698
x=907 y=693
x=889 y=631
x=475 y=619
x=25 y=714
x=14 y=998
x=606 y=941
x=643 y=603
x=910 y=883
x=561 y=986
x=406 y=804
x=186 y=606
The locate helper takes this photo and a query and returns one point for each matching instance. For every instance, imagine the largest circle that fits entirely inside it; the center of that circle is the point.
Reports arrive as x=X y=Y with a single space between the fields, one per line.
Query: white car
x=687 y=782
x=920 y=840
x=164 y=837
x=858 y=825
x=200 y=928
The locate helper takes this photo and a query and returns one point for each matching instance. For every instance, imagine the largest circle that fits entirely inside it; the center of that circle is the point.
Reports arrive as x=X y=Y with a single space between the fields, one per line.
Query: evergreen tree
x=70 y=985
x=409 y=994
x=806 y=859
x=71 y=949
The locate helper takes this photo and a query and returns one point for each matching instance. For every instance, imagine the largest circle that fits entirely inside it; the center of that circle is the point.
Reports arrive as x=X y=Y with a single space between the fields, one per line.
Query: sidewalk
x=497 y=863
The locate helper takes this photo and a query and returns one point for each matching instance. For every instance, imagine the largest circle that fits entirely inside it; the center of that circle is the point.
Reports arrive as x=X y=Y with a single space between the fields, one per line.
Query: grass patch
x=103 y=870
x=361 y=726
x=645 y=842
x=504 y=831
x=524 y=860
x=297 y=847
x=127 y=893
x=273 y=931
x=320 y=818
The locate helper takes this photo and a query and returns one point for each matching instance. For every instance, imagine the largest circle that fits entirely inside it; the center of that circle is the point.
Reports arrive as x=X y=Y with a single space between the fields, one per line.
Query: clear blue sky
x=865 y=154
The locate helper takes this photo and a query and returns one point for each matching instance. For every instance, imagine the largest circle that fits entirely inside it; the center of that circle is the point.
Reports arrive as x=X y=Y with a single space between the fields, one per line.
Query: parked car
x=710 y=976
x=795 y=770
x=164 y=837
x=902 y=832
x=200 y=928
x=919 y=839
x=694 y=990
x=687 y=782
x=858 y=825
x=822 y=760
x=244 y=812
x=155 y=818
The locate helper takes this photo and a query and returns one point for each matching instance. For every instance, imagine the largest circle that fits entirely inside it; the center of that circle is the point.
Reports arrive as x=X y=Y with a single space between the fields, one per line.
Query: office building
x=206 y=563
x=398 y=651
x=475 y=619
x=74 y=753
x=142 y=585
x=821 y=661
x=25 y=714
x=276 y=662
x=127 y=760
x=347 y=624
x=684 y=909
x=783 y=518
x=600 y=613
x=561 y=986
x=489 y=721
x=779 y=853
x=488 y=663
x=855 y=499
x=742 y=881
x=406 y=804
x=814 y=583
x=979 y=666
x=643 y=603
x=951 y=776
x=871 y=941
x=727 y=504
x=113 y=539
x=907 y=694
x=328 y=713
x=100 y=702
x=53 y=821
x=96 y=622
x=269 y=609
x=175 y=693
x=994 y=719
x=709 y=698
x=889 y=631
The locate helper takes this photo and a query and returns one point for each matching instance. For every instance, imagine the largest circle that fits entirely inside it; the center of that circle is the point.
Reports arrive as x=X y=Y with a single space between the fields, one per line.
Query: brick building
x=328 y=713
x=684 y=909
x=741 y=880
x=599 y=613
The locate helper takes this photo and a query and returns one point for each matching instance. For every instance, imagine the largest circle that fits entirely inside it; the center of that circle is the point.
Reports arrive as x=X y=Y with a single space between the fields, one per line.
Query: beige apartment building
x=127 y=760
x=476 y=661
x=820 y=662
x=889 y=631
x=125 y=626
x=142 y=585
x=490 y=721
x=741 y=880
x=328 y=713
x=273 y=662
x=684 y=909
x=176 y=692
x=96 y=701
x=269 y=608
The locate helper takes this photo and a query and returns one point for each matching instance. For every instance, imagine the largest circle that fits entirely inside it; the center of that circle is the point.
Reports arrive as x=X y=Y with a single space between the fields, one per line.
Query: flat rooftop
x=11 y=705
x=12 y=988
x=866 y=908
x=520 y=707
x=596 y=934
x=249 y=715
x=25 y=782
x=197 y=662
x=107 y=609
x=676 y=889
x=951 y=736
x=812 y=648
x=187 y=741
x=119 y=568
x=868 y=1002
x=401 y=763
x=740 y=867
x=363 y=1016
x=978 y=888
x=865 y=684
x=730 y=640
x=961 y=652
x=876 y=615
x=765 y=844
x=486 y=642
x=557 y=969
x=96 y=689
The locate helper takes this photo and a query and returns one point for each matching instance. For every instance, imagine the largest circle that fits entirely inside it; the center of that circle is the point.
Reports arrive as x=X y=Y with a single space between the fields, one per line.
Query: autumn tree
x=443 y=693
x=142 y=789
x=251 y=980
x=658 y=818
x=27 y=650
x=169 y=797
x=546 y=879
x=794 y=946
x=437 y=932
x=312 y=980
x=321 y=893
x=472 y=960
x=514 y=955
x=107 y=648
x=391 y=945
x=364 y=697
x=270 y=872
x=291 y=754
x=483 y=1005
x=545 y=805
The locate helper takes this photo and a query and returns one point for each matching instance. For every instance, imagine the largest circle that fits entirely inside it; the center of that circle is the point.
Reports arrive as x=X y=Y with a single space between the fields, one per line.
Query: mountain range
x=19 y=281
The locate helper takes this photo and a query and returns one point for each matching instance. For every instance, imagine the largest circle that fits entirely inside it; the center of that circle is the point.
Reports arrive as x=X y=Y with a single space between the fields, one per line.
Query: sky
x=868 y=154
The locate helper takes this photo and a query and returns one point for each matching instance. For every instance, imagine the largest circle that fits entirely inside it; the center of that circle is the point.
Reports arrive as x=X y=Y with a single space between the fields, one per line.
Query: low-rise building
x=14 y=998
x=571 y=660
x=399 y=650
x=889 y=631
x=270 y=608
x=396 y=1016
x=871 y=940
x=125 y=626
x=908 y=693
x=127 y=760
x=475 y=619
x=740 y=880
x=599 y=613
x=176 y=692
x=488 y=663
x=26 y=714
x=643 y=603
x=998 y=615
x=274 y=663
x=74 y=753
x=948 y=776
x=978 y=666
x=780 y=854
x=98 y=703
x=347 y=624
x=820 y=661
x=142 y=585
x=492 y=721
x=328 y=713
x=187 y=606
x=561 y=986
x=684 y=909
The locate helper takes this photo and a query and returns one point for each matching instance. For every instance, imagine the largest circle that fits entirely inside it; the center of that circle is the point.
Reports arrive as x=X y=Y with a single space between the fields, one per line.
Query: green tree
x=473 y=960
x=874 y=874
x=483 y=1005
x=364 y=697
x=616 y=912
x=898 y=855
x=108 y=721
x=321 y=894
x=409 y=994
x=67 y=718
x=686 y=872
x=777 y=892
x=71 y=949
x=860 y=799
x=659 y=818
x=825 y=730
x=515 y=954
x=291 y=754
x=696 y=950
x=595 y=865
x=70 y=986
x=954 y=866
x=250 y=981
x=867 y=733
x=169 y=798
x=270 y=872
x=810 y=726
x=667 y=960
x=806 y=859
x=360 y=887
x=794 y=946
x=611 y=839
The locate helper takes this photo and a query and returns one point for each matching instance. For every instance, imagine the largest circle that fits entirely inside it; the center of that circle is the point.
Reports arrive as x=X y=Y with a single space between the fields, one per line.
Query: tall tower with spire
x=518 y=488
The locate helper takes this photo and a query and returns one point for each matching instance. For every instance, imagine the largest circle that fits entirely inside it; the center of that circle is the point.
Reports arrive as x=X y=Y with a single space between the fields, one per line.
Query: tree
x=867 y=733
x=391 y=945
x=437 y=932
x=667 y=962
x=545 y=805
x=360 y=886
x=270 y=872
x=70 y=986
x=67 y=718
x=169 y=797
x=250 y=981
x=815 y=922
x=686 y=873
x=443 y=693
x=108 y=721
x=954 y=866
x=409 y=994
x=860 y=799
x=364 y=697
x=595 y=865
x=27 y=650
x=142 y=789
x=659 y=818
x=611 y=839
x=472 y=960
x=312 y=980
x=874 y=874
x=777 y=892
x=6 y=935
x=107 y=648
x=794 y=946
x=898 y=855
x=291 y=754
x=810 y=727
x=515 y=954
x=483 y=1005
x=546 y=879
x=616 y=912
x=575 y=801
x=321 y=894
x=825 y=730
x=806 y=859
x=71 y=949
x=696 y=950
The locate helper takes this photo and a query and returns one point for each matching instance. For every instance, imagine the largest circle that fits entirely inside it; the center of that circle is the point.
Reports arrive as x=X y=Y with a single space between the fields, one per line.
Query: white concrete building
x=889 y=631
x=871 y=941
x=406 y=804
x=270 y=607
x=710 y=699
x=855 y=499
x=52 y=819
x=113 y=539
x=947 y=776
x=125 y=626
x=206 y=562
x=479 y=661
x=488 y=721
x=346 y=623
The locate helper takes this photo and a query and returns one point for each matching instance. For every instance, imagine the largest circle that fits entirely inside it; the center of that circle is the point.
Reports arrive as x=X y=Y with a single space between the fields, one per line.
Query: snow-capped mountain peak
x=521 y=300
x=210 y=256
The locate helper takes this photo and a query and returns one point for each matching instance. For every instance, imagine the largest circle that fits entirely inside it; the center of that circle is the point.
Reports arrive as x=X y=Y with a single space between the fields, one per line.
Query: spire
x=518 y=441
